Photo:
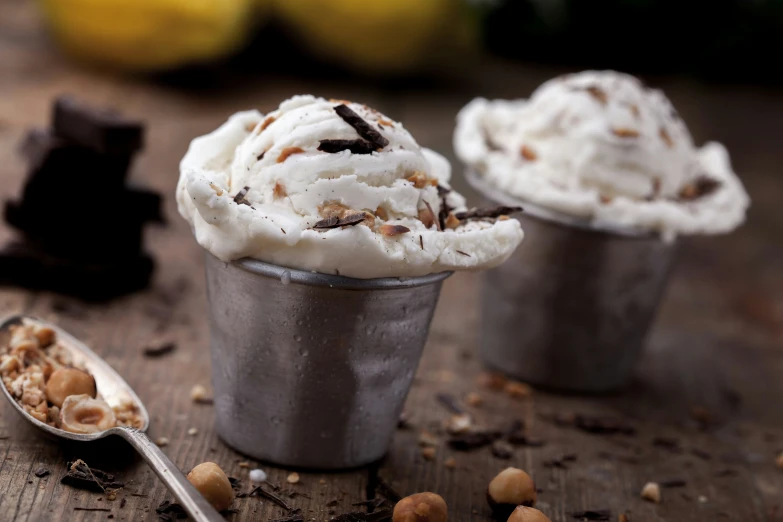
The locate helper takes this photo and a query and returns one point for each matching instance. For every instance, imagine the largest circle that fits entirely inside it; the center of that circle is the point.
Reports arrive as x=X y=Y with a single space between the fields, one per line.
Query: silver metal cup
x=312 y=370
x=571 y=308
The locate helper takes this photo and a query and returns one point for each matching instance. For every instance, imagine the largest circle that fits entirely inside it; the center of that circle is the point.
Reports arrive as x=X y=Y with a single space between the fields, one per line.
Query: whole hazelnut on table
x=421 y=507
x=527 y=514
x=213 y=485
x=65 y=382
x=511 y=487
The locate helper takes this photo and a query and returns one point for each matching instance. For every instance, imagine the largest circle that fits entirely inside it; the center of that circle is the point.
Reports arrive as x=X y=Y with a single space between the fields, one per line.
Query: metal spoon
x=114 y=390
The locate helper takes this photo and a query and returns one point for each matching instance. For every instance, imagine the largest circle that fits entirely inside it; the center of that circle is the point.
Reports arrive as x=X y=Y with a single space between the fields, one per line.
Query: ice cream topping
x=334 y=187
x=602 y=146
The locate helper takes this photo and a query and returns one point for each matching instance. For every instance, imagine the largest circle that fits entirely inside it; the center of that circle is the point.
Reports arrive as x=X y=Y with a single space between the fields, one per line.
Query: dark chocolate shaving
x=593 y=514
x=168 y=511
x=473 y=440
x=442 y=191
x=357 y=146
x=450 y=402
x=258 y=490
x=674 y=483
x=239 y=199
x=159 y=349
x=42 y=472
x=463 y=253
x=603 y=425
x=484 y=213
x=335 y=222
x=260 y=156
x=698 y=188
x=668 y=443
x=386 y=491
x=502 y=450
x=362 y=127
x=91 y=509
x=81 y=476
x=235 y=482
x=358 y=516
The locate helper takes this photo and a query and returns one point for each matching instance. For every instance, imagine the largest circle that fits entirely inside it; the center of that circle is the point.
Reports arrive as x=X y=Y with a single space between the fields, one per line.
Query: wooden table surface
x=717 y=346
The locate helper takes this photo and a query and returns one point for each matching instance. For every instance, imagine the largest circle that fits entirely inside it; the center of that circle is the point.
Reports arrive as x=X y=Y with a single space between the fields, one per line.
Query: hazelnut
x=527 y=514
x=428 y=453
x=45 y=336
x=293 y=478
x=213 y=485
x=517 y=390
x=421 y=507
x=512 y=487
x=69 y=381
x=198 y=393
x=652 y=492
x=474 y=399
x=84 y=414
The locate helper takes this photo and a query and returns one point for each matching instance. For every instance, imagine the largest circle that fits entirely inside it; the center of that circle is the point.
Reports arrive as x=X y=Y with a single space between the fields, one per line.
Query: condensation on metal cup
x=570 y=310
x=312 y=370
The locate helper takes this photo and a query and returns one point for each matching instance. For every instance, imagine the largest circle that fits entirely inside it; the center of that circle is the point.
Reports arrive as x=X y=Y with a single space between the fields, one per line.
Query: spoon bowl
x=115 y=391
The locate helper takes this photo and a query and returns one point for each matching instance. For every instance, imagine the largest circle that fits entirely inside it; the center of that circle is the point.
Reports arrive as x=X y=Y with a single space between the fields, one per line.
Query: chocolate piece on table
x=102 y=130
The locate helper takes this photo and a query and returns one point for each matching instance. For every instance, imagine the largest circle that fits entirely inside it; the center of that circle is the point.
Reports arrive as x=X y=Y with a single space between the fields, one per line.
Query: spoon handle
x=191 y=500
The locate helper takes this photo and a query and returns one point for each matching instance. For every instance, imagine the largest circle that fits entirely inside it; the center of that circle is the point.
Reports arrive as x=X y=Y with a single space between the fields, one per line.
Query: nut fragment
x=512 y=487
x=213 y=485
x=45 y=335
x=528 y=153
x=427 y=217
x=162 y=441
x=518 y=390
x=664 y=134
x=491 y=380
x=419 y=179
x=84 y=414
x=527 y=514
x=459 y=423
x=193 y=431
x=474 y=399
x=288 y=151
x=69 y=381
x=652 y=492
x=451 y=221
x=279 y=191
x=624 y=132
x=293 y=478
x=421 y=507
x=450 y=463
x=428 y=453
x=428 y=439
x=380 y=212
x=779 y=460
x=198 y=393
x=393 y=230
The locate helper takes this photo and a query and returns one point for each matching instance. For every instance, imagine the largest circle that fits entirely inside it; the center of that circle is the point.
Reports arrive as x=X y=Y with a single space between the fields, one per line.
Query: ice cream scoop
x=602 y=146
x=334 y=187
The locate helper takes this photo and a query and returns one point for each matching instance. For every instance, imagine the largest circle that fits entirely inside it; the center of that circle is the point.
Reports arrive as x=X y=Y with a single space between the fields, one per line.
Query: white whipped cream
x=291 y=186
x=599 y=145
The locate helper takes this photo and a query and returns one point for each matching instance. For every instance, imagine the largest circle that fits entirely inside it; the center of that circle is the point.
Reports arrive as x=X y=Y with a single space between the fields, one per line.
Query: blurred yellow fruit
x=374 y=35
x=151 y=34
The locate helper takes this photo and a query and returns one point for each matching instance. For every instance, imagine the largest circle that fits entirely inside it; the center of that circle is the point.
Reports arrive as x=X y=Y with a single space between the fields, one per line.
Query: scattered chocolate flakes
x=362 y=127
x=404 y=422
x=260 y=156
x=239 y=199
x=442 y=191
x=593 y=514
x=335 y=222
x=463 y=253
x=603 y=425
x=427 y=217
x=258 y=490
x=450 y=402
x=293 y=518
x=624 y=132
x=42 y=472
x=482 y=213
x=267 y=122
x=235 y=482
x=502 y=450
x=81 y=476
x=357 y=146
x=674 y=483
x=358 y=516
x=664 y=134
x=123 y=502
x=421 y=242
x=169 y=511
x=159 y=348
x=700 y=187
x=528 y=153
x=560 y=462
x=393 y=230
x=90 y=509
x=597 y=93
x=385 y=489
x=288 y=151
x=473 y=440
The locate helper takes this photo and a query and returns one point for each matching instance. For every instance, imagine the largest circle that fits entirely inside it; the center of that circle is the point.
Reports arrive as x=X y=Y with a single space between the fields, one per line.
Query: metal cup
x=571 y=308
x=312 y=370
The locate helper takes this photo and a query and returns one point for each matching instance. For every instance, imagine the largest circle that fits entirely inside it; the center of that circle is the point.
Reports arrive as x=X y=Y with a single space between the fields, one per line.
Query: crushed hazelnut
x=450 y=463
x=451 y=221
x=512 y=487
x=517 y=390
x=427 y=438
x=198 y=393
x=427 y=217
x=421 y=507
x=622 y=518
x=69 y=381
x=597 y=93
x=624 y=132
x=428 y=453
x=664 y=134
x=492 y=380
x=279 y=191
x=218 y=190
x=293 y=478
x=45 y=335
x=393 y=230
x=419 y=179
x=702 y=499
x=193 y=431
x=779 y=460
x=162 y=441
x=213 y=484
x=474 y=399
x=380 y=212
x=334 y=209
x=385 y=123
x=527 y=514
x=652 y=492
x=528 y=153
x=289 y=151
x=634 y=110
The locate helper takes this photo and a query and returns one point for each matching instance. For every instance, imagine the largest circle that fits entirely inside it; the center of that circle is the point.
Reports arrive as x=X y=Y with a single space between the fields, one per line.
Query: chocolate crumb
x=362 y=127
x=601 y=515
x=393 y=230
x=289 y=151
x=357 y=146
x=42 y=472
x=386 y=490
x=442 y=191
x=239 y=199
x=159 y=348
x=502 y=450
x=168 y=511
x=421 y=242
x=258 y=490
x=463 y=253
x=624 y=132
x=487 y=213
x=335 y=222
x=283 y=231
x=664 y=134
x=81 y=476
x=701 y=454
x=123 y=502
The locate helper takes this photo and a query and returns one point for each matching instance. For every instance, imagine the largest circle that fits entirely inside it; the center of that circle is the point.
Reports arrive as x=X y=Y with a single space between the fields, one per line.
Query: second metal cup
x=312 y=370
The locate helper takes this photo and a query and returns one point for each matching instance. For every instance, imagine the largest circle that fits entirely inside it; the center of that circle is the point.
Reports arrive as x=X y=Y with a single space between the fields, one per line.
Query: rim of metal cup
x=303 y=277
x=480 y=185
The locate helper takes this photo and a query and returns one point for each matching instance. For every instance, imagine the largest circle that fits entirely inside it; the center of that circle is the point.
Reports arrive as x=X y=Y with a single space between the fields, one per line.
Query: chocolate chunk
x=104 y=131
x=700 y=187
x=362 y=127
x=357 y=146
x=335 y=222
x=484 y=213
x=81 y=476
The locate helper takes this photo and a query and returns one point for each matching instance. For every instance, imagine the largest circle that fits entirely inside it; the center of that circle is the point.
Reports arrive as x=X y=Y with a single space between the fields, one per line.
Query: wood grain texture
x=717 y=345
